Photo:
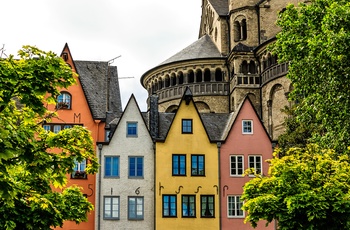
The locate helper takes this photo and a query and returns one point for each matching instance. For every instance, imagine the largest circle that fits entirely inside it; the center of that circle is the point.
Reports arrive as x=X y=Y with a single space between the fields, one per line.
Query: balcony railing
x=197 y=89
x=273 y=72
x=252 y=80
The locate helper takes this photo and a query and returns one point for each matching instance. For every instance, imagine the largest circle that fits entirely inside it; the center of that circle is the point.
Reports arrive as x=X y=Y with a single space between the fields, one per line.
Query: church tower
x=229 y=61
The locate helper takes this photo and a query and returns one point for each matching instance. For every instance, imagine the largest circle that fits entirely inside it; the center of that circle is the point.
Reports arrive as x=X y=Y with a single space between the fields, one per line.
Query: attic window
x=186 y=126
x=65 y=56
x=247 y=127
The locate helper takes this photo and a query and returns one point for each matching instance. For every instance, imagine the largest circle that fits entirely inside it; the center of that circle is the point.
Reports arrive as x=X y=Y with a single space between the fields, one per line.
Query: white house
x=125 y=185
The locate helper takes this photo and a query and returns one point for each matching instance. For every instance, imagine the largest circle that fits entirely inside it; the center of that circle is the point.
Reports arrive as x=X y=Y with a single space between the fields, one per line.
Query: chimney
x=154 y=116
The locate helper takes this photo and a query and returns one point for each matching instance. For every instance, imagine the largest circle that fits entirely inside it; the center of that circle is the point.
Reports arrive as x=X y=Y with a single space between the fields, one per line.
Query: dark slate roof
x=220 y=6
x=243 y=48
x=202 y=48
x=215 y=124
x=93 y=78
x=165 y=120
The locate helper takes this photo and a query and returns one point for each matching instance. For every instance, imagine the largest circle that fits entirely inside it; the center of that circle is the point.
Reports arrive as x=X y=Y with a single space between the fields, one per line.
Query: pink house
x=246 y=145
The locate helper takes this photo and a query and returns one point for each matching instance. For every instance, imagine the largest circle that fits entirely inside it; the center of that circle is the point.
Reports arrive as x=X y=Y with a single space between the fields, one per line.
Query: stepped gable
x=220 y=6
x=93 y=78
x=201 y=49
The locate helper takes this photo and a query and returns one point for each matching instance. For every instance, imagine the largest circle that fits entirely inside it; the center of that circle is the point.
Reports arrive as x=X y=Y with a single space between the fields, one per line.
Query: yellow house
x=187 y=180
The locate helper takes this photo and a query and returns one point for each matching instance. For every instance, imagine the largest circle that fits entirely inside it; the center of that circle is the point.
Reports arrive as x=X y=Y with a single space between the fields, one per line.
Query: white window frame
x=244 y=126
x=237 y=174
x=235 y=204
x=254 y=163
x=114 y=208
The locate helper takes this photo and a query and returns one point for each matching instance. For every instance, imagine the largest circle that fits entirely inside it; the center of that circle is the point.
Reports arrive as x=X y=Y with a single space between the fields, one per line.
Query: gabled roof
x=93 y=78
x=115 y=123
x=234 y=116
x=213 y=123
x=202 y=48
x=220 y=6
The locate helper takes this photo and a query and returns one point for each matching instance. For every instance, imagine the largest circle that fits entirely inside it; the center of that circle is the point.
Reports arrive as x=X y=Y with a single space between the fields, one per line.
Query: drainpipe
x=219 y=184
x=100 y=146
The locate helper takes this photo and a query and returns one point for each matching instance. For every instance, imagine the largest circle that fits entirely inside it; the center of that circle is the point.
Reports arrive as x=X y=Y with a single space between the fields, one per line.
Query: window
x=186 y=125
x=111 y=207
x=64 y=101
x=135 y=208
x=56 y=128
x=236 y=165
x=234 y=205
x=47 y=127
x=179 y=165
x=188 y=206
x=207 y=206
x=79 y=170
x=111 y=166
x=255 y=163
x=197 y=165
x=169 y=206
x=136 y=167
x=247 y=127
x=131 y=129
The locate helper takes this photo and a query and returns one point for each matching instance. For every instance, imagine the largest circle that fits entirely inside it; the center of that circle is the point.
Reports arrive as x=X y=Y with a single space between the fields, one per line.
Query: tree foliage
x=309 y=188
x=34 y=162
x=315 y=40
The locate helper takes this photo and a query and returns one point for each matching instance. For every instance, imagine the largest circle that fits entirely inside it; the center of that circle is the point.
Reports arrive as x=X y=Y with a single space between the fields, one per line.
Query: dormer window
x=64 y=101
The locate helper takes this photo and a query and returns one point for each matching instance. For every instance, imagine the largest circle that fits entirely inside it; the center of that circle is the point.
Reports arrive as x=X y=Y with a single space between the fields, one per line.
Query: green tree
x=309 y=188
x=315 y=40
x=34 y=162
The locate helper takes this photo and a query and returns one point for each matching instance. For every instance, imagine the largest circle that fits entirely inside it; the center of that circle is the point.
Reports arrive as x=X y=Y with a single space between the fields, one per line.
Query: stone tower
x=229 y=61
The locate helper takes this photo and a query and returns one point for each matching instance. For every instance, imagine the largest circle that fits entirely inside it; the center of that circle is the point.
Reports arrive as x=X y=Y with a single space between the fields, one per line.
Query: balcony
x=250 y=80
x=274 y=72
x=197 y=89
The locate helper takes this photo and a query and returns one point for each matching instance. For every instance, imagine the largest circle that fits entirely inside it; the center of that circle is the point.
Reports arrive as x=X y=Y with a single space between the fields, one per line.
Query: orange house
x=87 y=103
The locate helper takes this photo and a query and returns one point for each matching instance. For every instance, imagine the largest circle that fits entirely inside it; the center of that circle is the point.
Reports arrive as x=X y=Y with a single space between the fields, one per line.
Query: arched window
x=64 y=101
x=181 y=78
x=167 y=81
x=207 y=75
x=218 y=75
x=244 y=67
x=199 y=76
x=244 y=29
x=237 y=31
x=190 y=77
x=252 y=67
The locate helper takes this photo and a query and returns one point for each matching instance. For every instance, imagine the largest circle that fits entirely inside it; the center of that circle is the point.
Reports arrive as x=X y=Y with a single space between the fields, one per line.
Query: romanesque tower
x=229 y=61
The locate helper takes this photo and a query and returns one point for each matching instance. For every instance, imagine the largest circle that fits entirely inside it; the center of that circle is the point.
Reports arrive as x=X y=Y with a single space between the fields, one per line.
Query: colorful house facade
x=86 y=104
x=125 y=186
x=187 y=189
x=246 y=146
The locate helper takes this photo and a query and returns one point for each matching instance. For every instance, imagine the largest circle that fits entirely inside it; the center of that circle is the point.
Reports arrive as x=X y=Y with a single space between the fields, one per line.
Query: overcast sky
x=143 y=32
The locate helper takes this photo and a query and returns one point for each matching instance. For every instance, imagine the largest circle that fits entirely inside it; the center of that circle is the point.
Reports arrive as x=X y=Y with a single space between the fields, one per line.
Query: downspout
x=100 y=146
x=219 y=184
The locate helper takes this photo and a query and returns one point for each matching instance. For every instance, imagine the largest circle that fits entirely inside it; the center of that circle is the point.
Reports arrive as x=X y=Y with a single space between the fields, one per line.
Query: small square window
x=47 y=127
x=57 y=128
x=64 y=101
x=131 y=130
x=135 y=208
x=186 y=125
x=111 y=208
x=247 y=127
